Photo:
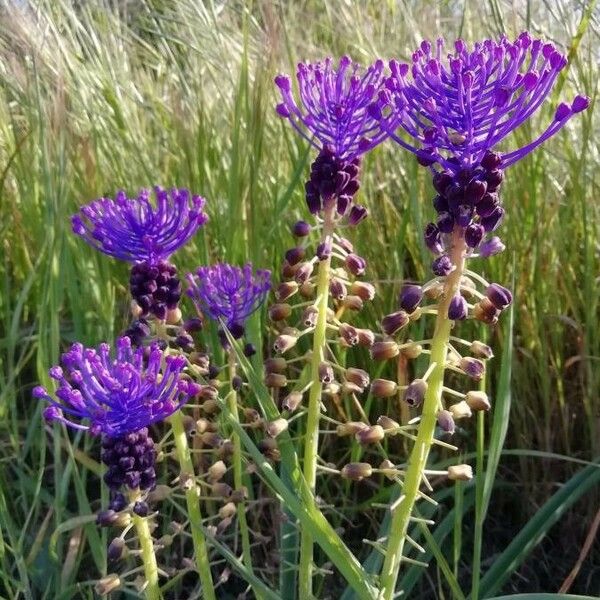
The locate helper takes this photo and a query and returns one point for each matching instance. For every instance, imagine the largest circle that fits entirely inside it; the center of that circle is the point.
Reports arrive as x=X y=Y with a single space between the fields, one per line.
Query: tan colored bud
x=226 y=450
x=383 y=388
x=221 y=489
x=209 y=392
x=412 y=351
x=353 y=302
x=200 y=360
x=292 y=401
x=283 y=343
x=389 y=425
x=285 y=290
x=467 y=287
x=269 y=448
x=434 y=291
x=350 y=428
x=216 y=471
x=460 y=410
x=107 y=584
x=279 y=312
x=358 y=377
x=486 y=312
x=275 y=365
x=478 y=400
x=366 y=337
x=307 y=290
x=388 y=468
x=136 y=309
x=351 y=388
x=370 y=435
x=356 y=471
x=202 y=425
x=289 y=271
x=481 y=350
x=365 y=291
x=227 y=510
x=251 y=415
x=275 y=380
x=223 y=524
x=189 y=425
x=325 y=373
x=274 y=428
x=173 y=316
x=122 y=520
x=210 y=407
x=348 y=334
x=165 y=541
x=332 y=389
x=310 y=316
x=209 y=438
x=460 y=473
x=159 y=493
x=384 y=350
x=239 y=495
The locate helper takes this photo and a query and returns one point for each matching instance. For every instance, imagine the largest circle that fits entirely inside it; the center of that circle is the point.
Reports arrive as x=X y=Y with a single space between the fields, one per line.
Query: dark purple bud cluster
x=130 y=460
x=155 y=287
x=334 y=179
x=137 y=332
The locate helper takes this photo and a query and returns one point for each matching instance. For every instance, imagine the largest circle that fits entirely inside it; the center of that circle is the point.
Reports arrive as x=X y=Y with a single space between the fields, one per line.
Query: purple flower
x=117 y=395
x=458 y=106
x=229 y=293
x=333 y=110
x=137 y=230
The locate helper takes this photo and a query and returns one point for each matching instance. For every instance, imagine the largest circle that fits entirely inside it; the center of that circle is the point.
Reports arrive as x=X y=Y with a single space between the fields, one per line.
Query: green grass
x=180 y=93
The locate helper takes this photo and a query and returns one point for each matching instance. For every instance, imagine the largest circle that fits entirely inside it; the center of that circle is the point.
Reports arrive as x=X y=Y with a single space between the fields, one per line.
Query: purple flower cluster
x=229 y=293
x=119 y=395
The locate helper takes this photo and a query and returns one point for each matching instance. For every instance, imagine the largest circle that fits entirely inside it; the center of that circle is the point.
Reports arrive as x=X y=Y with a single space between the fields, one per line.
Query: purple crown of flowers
x=228 y=292
x=334 y=105
x=134 y=230
x=116 y=395
x=461 y=105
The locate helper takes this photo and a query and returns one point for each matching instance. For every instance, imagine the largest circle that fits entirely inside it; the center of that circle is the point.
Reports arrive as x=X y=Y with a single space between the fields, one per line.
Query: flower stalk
x=311 y=438
x=418 y=459
x=142 y=528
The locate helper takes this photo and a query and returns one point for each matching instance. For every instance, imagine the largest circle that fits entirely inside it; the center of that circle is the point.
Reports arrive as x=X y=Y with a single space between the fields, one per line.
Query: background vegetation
x=97 y=96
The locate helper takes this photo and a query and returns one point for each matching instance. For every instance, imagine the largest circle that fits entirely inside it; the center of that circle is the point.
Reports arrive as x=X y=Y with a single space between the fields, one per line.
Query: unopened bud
x=358 y=377
x=390 y=426
x=227 y=510
x=283 y=343
x=391 y=324
x=445 y=421
x=292 y=401
x=279 y=312
x=383 y=388
x=460 y=473
x=202 y=425
x=216 y=471
x=159 y=493
x=274 y=428
x=209 y=392
x=478 y=400
x=412 y=350
x=116 y=549
x=304 y=272
x=356 y=471
x=221 y=490
x=486 y=312
x=212 y=439
x=301 y=229
x=173 y=316
x=348 y=334
x=352 y=302
x=307 y=290
x=189 y=424
x=460 y=410
x=481 y=350
x=434 y=291
x=239 y=495
x=384 y=350
x=410 y=297
x=285 y=290
x=366 y=337
x=223 y=524
x=275 y=365
x=295 y=255
x=498 y=295
x=107 y=584
x=325 y=373
x=275 y=380
x=226 y=450
x=473 y=367
x=415 y=392
x=370 y=435
x=310 y=316
x=365 y=291
x=269 y=448
x=350 y=428
x=388 y=468
x=355 y=264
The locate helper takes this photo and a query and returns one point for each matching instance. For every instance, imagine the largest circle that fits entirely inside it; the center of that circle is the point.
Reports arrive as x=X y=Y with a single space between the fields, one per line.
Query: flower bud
x=307 y=290
x=388 y=468
x=323 y=251
x=275 y=380
x=159 y=493
x=499 y=296
x=486 y=312
x=358 y=377
x=216 y=471
x=348 y=334
x=415 y=392
x=304 y=272
x=310 y=316
x=410 y=297
x=474 y=234
x=350 y=428
x=384 y=350
x=227 y=510
x=212 y=439
x=491 y=247
x=107 y=584
x=433 y=238
x=383 y=388
x=458 y=308
x=355 y=264
x=274 y=428
x=353 y=303
x=269 y=448
x=434 y=291
x=357 y=214
x=460 y=473
x=446 y=421
x=412 y=351
x=279 y=312
x=356 y=471
x=288 y=271
x=174 y=316
x=283 y=343
x=292 y=401
x=394 y=322
x=226 y=451
x=275 y=365
x=325 y=373
x=285 y=290
x=389 y=425
x=481 y=350
x=221 y=490
x=473 y=367
x=345 y=244
x=301 y=229
x=116 y=549
x=366 y=337
x=141 y=508
x=370 y=435
x=365 y=291
x=460 y=410
x=442 y=266
x=295 y=255
x=478 y=400
x=337 y=289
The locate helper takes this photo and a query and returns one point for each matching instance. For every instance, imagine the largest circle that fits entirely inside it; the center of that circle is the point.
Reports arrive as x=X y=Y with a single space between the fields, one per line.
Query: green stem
x=193 y=506
x=420 y=452
x=142 y=528
x=311 y=438
x=479 y=514
x=238 y=472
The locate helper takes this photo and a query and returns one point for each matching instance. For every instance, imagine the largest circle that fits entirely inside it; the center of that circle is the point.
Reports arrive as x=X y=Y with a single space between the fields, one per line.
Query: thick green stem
x=238 y=472
x=193 y=506
x=311 y=437
x=142 y=528
x=420 y=452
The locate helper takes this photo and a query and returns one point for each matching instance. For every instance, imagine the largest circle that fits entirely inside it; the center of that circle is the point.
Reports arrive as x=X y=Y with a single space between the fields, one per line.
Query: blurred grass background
x=97 y=96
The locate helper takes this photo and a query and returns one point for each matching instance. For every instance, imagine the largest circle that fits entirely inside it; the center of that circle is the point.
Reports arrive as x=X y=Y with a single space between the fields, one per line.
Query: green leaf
x=543 y=597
